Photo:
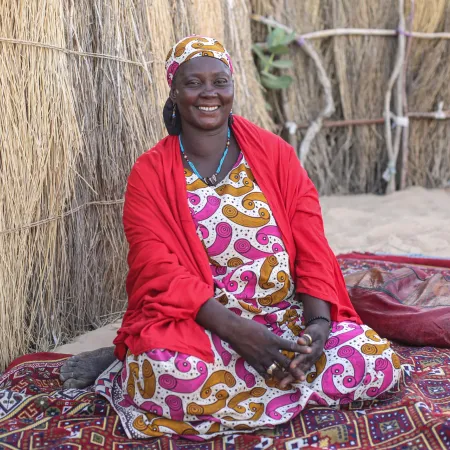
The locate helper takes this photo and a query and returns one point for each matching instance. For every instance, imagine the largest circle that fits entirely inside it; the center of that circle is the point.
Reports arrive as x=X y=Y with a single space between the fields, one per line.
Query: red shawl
x=169 y=277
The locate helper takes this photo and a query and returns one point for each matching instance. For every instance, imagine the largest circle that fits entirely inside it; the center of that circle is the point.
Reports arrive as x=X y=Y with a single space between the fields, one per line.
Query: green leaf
x=279 y=49
x=276 y=37
x=274 y=82
x=259 y=52
x=269 y=75
x=282 y=63
x=289 y=38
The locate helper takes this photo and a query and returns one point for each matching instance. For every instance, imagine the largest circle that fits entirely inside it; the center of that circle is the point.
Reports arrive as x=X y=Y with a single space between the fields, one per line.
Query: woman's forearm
x=314 y=307
x=213 y=316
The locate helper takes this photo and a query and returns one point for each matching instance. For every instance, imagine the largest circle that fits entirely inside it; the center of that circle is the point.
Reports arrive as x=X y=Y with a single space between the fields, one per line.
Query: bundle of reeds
x=75 y=116
x=427 y=83
x=352 y=159
x=39 y=144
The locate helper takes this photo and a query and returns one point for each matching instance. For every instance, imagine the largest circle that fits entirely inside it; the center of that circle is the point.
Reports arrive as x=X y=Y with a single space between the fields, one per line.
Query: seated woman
x=238 y=316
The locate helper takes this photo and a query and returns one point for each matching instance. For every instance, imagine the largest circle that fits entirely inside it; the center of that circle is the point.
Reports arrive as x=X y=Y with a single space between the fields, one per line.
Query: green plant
x=269 y=60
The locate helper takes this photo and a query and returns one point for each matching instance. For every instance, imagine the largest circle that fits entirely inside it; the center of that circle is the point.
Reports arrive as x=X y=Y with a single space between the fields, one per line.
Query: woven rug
x=36 y=413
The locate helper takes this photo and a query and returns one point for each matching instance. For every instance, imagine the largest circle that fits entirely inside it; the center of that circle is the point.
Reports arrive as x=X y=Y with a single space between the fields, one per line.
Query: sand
x=416 y=220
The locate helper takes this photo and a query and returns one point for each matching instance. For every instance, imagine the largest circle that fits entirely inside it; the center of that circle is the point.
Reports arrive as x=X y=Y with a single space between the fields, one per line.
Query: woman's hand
x=253 y=341
x=261 y=348
x=302 y=363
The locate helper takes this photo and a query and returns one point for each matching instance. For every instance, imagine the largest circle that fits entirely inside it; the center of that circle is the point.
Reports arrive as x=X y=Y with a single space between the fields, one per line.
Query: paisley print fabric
x=193 y=47
x=166 y=392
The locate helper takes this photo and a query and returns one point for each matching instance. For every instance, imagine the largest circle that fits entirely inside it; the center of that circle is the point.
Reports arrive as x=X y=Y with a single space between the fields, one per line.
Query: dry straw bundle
x=352 y=159
x=427 y=80
x=40 y=142
x=83 y=87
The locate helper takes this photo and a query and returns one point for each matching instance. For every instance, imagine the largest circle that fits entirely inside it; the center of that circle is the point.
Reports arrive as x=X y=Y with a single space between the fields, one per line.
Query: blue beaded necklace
x=212 y=180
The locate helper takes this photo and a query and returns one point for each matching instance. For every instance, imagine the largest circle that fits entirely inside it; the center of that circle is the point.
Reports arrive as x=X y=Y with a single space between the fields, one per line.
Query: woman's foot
x=82 y=370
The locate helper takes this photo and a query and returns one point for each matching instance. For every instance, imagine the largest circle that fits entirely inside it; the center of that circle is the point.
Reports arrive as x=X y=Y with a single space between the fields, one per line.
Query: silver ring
x=271 y=368
x=308 y=338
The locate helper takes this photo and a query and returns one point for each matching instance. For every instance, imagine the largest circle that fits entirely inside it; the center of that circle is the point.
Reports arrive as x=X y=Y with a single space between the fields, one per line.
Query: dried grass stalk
x=249 y=100
x=206 y=18
x=159 y=13
x=72 y=126
x=118 y=111
x=39 y=143
x=427 y=85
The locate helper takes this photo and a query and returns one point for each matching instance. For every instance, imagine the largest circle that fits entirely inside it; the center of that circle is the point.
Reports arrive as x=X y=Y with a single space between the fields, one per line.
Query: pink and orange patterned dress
x=166 y=392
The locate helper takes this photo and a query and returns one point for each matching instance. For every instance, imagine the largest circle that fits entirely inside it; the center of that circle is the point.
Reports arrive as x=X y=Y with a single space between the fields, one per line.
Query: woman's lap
x=168 y=392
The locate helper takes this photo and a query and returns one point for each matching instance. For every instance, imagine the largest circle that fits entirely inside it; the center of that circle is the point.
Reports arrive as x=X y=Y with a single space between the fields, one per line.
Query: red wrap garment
x=169 y=277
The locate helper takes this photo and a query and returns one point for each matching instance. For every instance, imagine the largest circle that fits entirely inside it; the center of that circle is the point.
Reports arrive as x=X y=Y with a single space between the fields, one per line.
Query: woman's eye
x=222 y=81
x=193 y=83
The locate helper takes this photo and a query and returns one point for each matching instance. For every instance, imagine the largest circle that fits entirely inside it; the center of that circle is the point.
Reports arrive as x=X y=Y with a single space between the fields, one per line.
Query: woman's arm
x=253 y=341
x=213 y=316
x=316 y=270
x=165 y=288
x=314 y=307
x=318 y=329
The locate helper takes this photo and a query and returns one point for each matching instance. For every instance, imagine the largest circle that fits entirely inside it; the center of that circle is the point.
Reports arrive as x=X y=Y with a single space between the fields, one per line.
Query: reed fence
x=83 y=86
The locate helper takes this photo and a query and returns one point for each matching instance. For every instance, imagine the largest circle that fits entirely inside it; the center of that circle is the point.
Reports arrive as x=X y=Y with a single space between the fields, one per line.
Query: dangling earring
x=230 y=118
x=174 y=112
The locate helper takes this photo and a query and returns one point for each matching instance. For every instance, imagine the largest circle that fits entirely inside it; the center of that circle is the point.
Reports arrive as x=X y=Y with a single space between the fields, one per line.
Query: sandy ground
x=412 y=221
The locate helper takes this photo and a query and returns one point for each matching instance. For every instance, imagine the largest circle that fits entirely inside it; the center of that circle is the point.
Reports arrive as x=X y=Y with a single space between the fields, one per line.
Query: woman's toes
x=67 y=370
x=82 y=370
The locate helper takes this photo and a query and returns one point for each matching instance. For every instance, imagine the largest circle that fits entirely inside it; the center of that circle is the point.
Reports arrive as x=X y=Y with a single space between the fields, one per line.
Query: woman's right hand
x=261 y=348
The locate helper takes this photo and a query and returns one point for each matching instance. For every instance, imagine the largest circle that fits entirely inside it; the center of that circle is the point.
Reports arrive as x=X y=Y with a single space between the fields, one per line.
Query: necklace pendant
x=211 y=181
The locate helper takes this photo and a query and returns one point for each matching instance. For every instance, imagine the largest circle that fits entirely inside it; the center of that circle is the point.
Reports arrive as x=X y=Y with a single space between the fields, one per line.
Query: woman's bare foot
x=82 y=370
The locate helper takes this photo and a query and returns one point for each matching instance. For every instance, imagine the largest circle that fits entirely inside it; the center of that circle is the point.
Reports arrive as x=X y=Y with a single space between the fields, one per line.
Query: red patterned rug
x=35 y=413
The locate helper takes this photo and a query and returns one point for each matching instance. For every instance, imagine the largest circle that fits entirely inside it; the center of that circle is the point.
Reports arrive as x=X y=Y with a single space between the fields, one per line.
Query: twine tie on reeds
x=399 y=121
x=75 y=52
x=61 y=216
x=389 y=172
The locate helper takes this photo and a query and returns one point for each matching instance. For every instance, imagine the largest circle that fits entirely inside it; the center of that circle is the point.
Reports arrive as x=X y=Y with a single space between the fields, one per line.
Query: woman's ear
x=173 y=94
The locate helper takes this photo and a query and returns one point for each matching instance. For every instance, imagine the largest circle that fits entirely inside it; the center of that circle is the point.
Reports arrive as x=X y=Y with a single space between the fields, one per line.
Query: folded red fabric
x=169 y=277
x=405 y=305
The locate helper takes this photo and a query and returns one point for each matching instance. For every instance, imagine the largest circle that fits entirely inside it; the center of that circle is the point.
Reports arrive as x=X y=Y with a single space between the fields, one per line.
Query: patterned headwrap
x=192 y=47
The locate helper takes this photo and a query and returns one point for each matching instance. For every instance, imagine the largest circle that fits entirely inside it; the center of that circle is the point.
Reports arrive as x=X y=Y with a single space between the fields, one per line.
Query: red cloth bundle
x=404 y=305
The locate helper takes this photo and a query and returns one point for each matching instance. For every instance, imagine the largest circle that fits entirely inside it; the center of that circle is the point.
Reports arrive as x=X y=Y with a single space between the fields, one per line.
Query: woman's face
x=203 y=91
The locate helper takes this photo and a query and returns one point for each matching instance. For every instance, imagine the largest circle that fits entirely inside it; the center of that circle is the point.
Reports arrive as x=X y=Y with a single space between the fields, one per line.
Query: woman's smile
x=208 y=109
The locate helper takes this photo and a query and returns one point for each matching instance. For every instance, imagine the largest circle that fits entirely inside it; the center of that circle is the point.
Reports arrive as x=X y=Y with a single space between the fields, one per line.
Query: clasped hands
x=263 y=350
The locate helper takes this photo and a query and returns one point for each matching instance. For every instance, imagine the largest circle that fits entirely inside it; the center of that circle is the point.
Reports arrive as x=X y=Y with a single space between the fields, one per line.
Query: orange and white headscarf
x=193 y=47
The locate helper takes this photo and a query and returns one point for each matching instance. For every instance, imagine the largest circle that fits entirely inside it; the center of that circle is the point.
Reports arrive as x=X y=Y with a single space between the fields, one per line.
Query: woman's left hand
x=301 y=364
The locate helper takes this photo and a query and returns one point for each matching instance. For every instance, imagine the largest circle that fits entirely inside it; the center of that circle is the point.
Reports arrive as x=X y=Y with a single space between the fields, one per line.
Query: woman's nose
x=209 y=90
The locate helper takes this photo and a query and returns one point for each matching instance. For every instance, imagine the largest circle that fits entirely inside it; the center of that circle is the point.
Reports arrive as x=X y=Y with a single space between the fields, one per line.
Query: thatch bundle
x=352 y=159
x=72 y=126
x=428 y=83
x=83 y=86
